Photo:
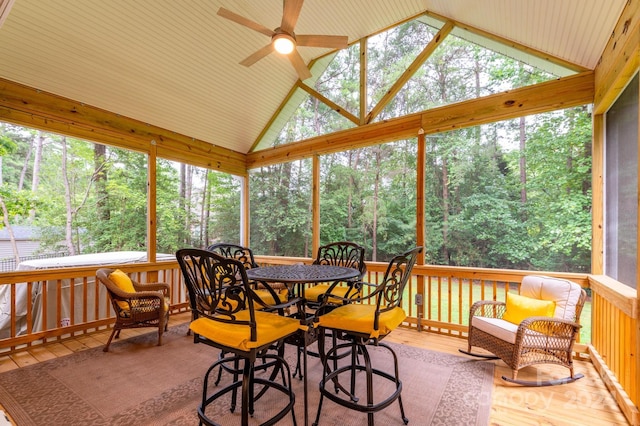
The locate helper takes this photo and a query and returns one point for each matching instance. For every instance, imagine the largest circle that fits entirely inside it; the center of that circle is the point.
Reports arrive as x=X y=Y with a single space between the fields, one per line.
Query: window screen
x=621 y=187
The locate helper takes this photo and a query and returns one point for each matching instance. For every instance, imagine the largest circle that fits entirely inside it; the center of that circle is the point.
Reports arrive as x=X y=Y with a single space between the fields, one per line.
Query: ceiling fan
x=283 y=39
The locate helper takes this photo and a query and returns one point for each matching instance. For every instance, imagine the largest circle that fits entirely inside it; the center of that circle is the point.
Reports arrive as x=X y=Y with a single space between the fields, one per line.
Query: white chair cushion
x=503 y=330
x=564 y=292
x=507 y=331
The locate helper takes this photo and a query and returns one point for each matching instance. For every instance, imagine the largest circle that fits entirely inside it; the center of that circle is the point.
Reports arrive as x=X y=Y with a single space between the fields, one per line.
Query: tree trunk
x=25 y=166
x=374 y=221
x=37 y=159
x=100 y=173
x=12 y=237
x=445 y=210
x=188 y=190
x=283 y=191
x=185 y=198
x=308 y=229
x=354 y=159
x=183 y=184
x=68 y=202
x=205 y=211
x=523 y=162
x=182 y=203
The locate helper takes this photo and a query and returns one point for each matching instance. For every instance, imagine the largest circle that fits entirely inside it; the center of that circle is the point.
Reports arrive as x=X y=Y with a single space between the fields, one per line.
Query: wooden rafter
x=334 y=106
x=275 y=115
x=35 y=108
x=411 y=70
x=620 y=59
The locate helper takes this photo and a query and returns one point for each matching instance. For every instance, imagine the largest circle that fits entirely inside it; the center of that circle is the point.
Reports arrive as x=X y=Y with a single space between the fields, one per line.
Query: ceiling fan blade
x=335 y=42
x=290 y=13
x=256 y=56
x=226 y=13
x=299 y=65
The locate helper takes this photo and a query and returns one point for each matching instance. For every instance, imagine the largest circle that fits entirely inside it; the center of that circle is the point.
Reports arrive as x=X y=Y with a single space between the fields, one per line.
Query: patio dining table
x=299 y=275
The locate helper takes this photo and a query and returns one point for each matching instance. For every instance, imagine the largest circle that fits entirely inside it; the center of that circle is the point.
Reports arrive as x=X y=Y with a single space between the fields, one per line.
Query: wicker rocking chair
x=538 y=326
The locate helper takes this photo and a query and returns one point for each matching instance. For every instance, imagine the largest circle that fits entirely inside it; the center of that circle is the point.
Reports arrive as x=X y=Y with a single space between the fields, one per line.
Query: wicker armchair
x=136 y=305
x=538 y=339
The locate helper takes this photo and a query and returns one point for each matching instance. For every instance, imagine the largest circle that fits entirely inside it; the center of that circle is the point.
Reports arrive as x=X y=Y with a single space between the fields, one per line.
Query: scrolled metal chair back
x=234 y=251
x=216 y=284
x=342 y=253
x=396 y=277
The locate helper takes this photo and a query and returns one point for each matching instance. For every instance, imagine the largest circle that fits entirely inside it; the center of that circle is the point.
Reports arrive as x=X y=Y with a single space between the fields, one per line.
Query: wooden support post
x=420 y=230
x=152 y=243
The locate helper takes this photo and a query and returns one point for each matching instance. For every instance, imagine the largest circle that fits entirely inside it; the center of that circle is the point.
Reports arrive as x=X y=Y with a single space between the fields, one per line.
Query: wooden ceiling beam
x=27 y=106
x=371 y=134
x=549 y=96
x=620 y=59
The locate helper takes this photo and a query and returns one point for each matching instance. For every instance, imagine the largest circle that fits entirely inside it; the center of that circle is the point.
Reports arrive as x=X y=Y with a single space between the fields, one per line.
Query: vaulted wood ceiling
x=175 y=64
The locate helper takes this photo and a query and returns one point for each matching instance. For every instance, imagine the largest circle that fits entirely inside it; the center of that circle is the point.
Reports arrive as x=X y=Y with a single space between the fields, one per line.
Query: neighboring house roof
x=22 y=233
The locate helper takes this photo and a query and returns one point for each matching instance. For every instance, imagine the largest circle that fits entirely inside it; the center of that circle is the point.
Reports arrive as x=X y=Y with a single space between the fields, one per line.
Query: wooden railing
x=447 y=293
x=41 y=306
x=36 y=308
x=614 y=341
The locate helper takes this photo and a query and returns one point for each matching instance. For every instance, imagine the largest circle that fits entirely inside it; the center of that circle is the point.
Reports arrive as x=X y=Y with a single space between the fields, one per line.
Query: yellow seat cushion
x=359 y=318
x=124 y=283
x=266 y=297
x=270 y=328
x=520 y=308
x=313 y=293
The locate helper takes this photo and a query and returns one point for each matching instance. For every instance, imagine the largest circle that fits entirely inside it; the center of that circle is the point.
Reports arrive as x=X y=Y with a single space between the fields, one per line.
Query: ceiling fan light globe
x=283 y=43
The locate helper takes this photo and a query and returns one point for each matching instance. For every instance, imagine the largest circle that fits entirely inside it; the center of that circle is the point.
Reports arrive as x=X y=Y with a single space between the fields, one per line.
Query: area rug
x=139 y=383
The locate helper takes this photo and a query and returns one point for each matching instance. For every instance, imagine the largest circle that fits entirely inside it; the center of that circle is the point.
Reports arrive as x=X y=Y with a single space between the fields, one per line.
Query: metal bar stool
x=362 y=326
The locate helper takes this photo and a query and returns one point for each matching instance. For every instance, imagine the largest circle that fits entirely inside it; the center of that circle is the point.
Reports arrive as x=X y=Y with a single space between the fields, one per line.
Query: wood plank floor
x=586 y=401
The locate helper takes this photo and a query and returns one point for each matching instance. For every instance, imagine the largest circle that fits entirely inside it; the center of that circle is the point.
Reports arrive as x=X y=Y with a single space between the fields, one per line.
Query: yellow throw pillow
x=124 y=283
x=520 y=308
x=122 y=280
